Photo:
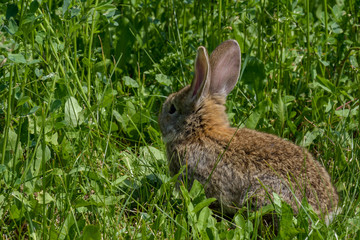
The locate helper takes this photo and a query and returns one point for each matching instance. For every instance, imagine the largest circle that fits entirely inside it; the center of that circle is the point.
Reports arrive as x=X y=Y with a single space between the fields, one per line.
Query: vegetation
x=81 y=83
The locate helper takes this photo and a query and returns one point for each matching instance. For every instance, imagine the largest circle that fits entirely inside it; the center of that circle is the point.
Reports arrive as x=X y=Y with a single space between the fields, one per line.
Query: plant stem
x=90 y=51
x=278 y=49
x=8 y=116
x=43 y=147
x=326 y=32
x=308 y=41
x=220 y=11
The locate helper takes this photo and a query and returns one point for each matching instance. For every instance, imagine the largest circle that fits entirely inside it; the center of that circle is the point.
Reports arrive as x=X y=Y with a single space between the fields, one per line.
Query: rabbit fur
x=236 y=166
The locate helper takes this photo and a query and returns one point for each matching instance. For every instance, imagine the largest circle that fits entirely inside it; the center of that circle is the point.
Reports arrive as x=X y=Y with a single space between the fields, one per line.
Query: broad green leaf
x=39 y=38
x=287 y=229
x=29 y=18
x=12 y=139
x=180 y=232
x=34 y=5
x=113 y=127
x=264 y=210
x=65 y=6
x=48 y=198
x=331 y=40
x=15 y=213
x=145 y=216
x=204 y=203
x=185 y=193
x=2 y=169
x=12 y=28
x=291 y=125
x=325 y=63
x=57 y=171
x=249 y=228
x=101 y=200
x=103 y=5
x=280 y=109
x=240 y=229
x=65 y=226
x=309 y=137
x=337 y=11
x=203 y=218
x=79 y=168
x=338 y=30
x=100 y=66
x=74 y=12
x=326 y=84
x=128 y=81
x=53 y=139
x=108 y=97
x=17 y=58
x=277 y=202
x=34 y=110
x=91 y=232
x=2 y=202
x=39 y=156
x=130 y=108
x=141 y=117
x=23 y=100
x=72 y=135
x=129 y=160
x=120 y=119
x=342 y=112
x=288 y=99
x=196 y=189
x=346 y=112
x=11 y=11
x=256 y=115
x=353 y=62
x=72 y=112
x=119 y=180
x=22 y=198
x=151 y=153
x=163 y=79
x=354 y=223
x=10 y=148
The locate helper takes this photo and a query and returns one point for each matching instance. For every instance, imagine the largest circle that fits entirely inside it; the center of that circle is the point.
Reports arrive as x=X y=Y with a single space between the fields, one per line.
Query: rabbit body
x=236 y=166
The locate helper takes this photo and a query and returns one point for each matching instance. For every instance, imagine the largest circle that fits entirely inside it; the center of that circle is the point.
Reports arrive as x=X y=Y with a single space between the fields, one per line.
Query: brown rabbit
x=236 y=166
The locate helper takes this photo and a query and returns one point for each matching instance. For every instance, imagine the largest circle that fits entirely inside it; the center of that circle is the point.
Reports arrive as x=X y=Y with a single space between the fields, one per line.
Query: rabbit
x=237 y=166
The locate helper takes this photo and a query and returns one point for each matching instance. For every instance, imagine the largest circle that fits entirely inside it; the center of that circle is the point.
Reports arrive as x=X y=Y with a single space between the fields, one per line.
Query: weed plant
x=81 y=84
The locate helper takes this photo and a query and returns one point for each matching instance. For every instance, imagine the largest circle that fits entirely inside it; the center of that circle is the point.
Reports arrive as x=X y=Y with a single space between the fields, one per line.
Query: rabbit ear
x=201 y=83
x=225 y=62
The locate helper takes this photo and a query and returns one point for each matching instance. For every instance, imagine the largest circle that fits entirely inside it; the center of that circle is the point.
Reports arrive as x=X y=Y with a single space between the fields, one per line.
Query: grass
x=81 y=83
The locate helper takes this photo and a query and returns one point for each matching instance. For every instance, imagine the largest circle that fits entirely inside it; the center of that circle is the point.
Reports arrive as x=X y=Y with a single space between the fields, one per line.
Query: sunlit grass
x=81 y=84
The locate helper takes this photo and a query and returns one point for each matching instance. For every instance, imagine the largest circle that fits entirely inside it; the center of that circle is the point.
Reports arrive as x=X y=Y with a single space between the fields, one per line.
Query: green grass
x=81 y=83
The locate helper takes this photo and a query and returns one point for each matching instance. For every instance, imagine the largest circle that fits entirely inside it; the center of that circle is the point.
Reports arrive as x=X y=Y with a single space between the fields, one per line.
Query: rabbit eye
x=172 y=109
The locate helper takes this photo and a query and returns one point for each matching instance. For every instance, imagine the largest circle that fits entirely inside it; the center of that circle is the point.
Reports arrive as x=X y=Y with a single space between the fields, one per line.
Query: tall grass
x=81 y=83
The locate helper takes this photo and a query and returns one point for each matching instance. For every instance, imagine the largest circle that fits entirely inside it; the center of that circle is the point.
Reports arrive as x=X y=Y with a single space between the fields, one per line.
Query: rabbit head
x=214 y=79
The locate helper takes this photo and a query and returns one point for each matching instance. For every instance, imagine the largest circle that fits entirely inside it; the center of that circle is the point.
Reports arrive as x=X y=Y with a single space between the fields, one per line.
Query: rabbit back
x=236 y=166
x=248 y=165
